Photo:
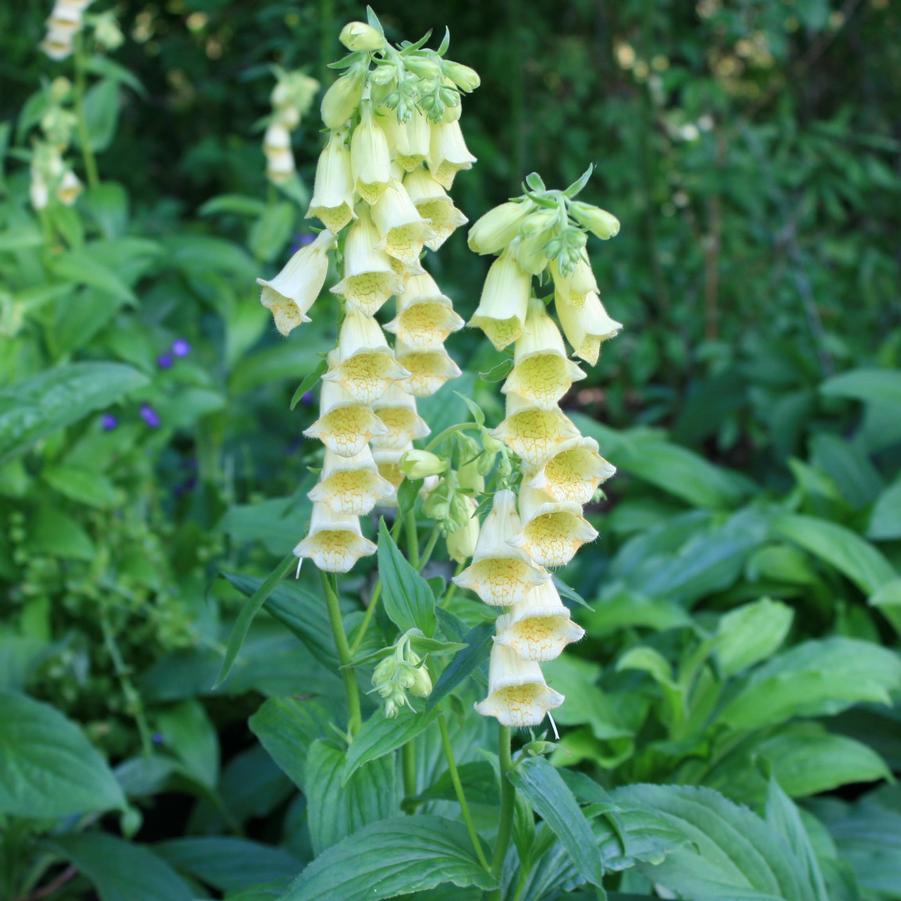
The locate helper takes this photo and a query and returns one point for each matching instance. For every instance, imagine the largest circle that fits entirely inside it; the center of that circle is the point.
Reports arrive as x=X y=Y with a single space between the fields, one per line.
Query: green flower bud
x=423 y=66
x=342 y=98
x=599 y=222
x=422 y=683
x=360 y=36
x=463 y=77
x=531 y=248
x=498 y=227
x=461 y=543
x=417 y=464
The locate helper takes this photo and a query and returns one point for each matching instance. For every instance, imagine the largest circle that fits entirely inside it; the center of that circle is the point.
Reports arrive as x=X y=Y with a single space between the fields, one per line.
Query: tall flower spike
x=586 y=326
x=502 y=309
x=333 y=190
x=294 y=290
x=539 y=627
x=517 y=693
x=334 y=542
x=500 y=573
x=351 y=484
x=532 y=432
x=434 y=204
x=552 y=532
x=425 y=316
x=345 y=425
x=396 y=409
x=573 y=472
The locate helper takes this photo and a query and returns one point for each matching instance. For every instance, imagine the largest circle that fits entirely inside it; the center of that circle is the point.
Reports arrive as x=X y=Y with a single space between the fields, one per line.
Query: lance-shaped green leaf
x=408 y=600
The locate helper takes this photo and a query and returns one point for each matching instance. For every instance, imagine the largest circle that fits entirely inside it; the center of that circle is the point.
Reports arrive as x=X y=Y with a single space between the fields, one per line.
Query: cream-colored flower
x=388 y=462
x=573 y=287
x=586 y=326
x=542 y=373
x=69 y=188
x=279 y=156
x=291 y=293
x=502 y=309
x=409 y=140
x=280 y=168
x=345 y=425
x=396 y=408
x=370 y=158
x=333 y=189
x=461 y=542
x=434 y=204
x=517 y=693
x=532 y=432
x=369 y=278
x=340 y=101
x=425 y=316
x=351 y=484
x=501 y=574
x=540 y=626
x=429 y=368
x=334 y=542
x=403 y=231
x=573 y=473
x=448 y=153
x=552 y=531
x=63 y=24
x=363 y=363
x=499 y=226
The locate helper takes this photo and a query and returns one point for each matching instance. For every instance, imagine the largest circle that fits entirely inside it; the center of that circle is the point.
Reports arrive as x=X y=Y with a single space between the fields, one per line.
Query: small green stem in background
x=354 y=718
x=430 y=546
x=508 y=797
x=451 y=430
x=84 y=134
x=458 y=790
x=452 y=588
x=412 y=538
x=409 y=767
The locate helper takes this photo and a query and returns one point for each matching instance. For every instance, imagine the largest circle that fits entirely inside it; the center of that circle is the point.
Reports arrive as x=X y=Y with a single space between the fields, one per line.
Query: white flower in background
x=501 y=573
x=434 y=204
x=539 y=626
x=586 y=326
x=448 y=153
x=403 y=231
x=552 y=531
x=278 y=153
x=542 y=373
x=370 y=158
x=333 y=189
x=503 y=306
x=363 y=363
x=533 y=432
x=369 y=278
x=396 y=409
x=63 y=24
x=291 y=293
x=334 y=542
x=517 y=693
x=345 y=425
x=494 y=231
x=573 y=472
x=428 y=368
x=351 y=484
x=425 y=316
x=69 y=188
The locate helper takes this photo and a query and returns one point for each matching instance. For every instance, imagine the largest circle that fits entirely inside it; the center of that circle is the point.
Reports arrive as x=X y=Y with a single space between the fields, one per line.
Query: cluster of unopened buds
x=402 y=671
x=291 y=100
x=394 y=147
x=51 y=175
x=539 y=234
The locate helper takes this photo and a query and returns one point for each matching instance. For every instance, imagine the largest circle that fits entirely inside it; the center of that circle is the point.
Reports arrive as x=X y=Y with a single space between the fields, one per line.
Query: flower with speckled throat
x=532 y=432
x=538 y=627
x=573 y=472
x=586 y=326
x=345 y=425
x=552 y=531
x=425 y=317
x=402 y=230
x=351 y=484
x=332 y=201
x=334 y=542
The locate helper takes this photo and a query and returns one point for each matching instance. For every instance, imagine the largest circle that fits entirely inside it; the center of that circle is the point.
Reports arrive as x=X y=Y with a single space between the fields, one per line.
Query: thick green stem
x=84 y=134
x=458 y=791
x=412 y=538
x=508 y=798
x=451 y=430
x=409 y=767
x=354 y=718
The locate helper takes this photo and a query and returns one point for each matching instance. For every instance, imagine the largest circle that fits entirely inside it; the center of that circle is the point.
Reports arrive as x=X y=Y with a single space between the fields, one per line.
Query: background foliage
x=745 y=597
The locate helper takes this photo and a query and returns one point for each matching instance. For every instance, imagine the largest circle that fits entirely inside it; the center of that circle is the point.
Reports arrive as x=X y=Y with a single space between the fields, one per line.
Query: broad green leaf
x=337 y=808
x=868 y=385
x=285 y=726
x=885 y=518
x=848 y=466
x=392 y=858
x=814 y=679
x=269 y=234
x=647 y=660
x=552 y=800
x=57 y=534
x=380 y=736
x=83 y=486
x=108 y=204
x=101 y=108
x=228 y=864
x=838 y=547
x=407 y=598
x=306 y=616
x=624 y=609
x=37 y=406
x=191 y=736
x=48 y=768
x=120 y=870
x=751 y=633
x=478 y=647
x=84 y=266
x=888 y=600
x=239 y=204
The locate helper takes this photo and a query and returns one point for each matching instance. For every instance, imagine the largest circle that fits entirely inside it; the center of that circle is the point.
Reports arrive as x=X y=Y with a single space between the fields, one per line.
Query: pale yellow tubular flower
x=434 y=204
x=345 y=425
x=351 y=484
x=498 y=227
x=411 y=140
x=388 y=462
x=429 y=368
x=573 y=287
x=501 y=573
x=291 y=293
x=517 y=693
x=279 y=156
x=396 y=408
x=448 y=153
x=552 y=531
x=462 y=541
x=425 y=316
x=532 y=432
x=502 y=309
x=369 y=277
x=370 y=158
x=586 y=326
x=540 y=626
x=333 y=191
x=69 y=188
x=334 y=542
x=402 y=229
x=363 y=363
x=542 y=373
x=340 y=101
x=573 y=473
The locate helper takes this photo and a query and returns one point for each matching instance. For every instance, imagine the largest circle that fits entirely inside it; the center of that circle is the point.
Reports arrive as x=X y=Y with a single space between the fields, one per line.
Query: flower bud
x=463 y=77
x=461 y=543
x=531 y=247
x=417 y=464
x=342 y=98
x=599 y=222
x=422 y=683
x=498 y=227
x=358 y=36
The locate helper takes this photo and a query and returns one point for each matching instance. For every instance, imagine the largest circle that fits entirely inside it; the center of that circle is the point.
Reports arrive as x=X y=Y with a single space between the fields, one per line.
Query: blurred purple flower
x=157 y=738
x=181 y=347
x=150 y=416
x=164 y=361
x=301 y=241
x=308 y=398
x=108 y=422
